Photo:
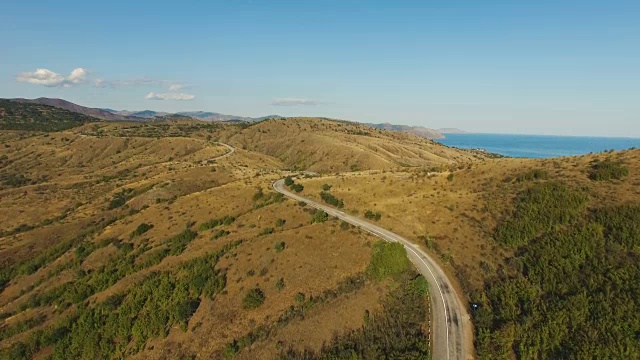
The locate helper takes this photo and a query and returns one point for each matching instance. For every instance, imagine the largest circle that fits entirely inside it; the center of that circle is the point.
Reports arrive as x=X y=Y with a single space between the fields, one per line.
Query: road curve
x=231 y=151
x=450 y=323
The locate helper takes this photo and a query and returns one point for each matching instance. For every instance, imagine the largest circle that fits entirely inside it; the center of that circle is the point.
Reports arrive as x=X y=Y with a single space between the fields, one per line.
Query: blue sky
x=540 y=67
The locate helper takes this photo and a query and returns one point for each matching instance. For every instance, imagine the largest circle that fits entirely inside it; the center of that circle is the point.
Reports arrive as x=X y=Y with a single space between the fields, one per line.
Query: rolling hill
x=192 y=253
x=146 y=236
x=329 y=146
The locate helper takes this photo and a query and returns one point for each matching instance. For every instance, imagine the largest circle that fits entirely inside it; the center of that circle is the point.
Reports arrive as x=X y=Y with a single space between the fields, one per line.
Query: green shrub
x=179 y=242
x=621 y=225
x=118 y=200
x=218 y=234
x=280 y=222
x=331 y=200
x=319 y=216
x=535 y=174
x=254 y=298
x=607 y=170
x=450 y=177
x=280 y=246
x=372 y=215
x=326 y=187
x=141 y=229
x=297 y=187
x=267 y=231
x=231 y=350
x=420 y=286
x=280 y=284
x=225 y=220
x=345 y=225
x=387 y=259
x=288 y=181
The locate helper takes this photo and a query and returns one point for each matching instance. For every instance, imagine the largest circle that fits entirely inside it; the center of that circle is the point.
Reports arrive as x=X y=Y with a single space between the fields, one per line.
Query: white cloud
x=44 y=77
x=101 y=83
x=78 y=76
x=169 y=96
x=177 y=86
x=142 y=81
x=50 y=78
x=294 y=102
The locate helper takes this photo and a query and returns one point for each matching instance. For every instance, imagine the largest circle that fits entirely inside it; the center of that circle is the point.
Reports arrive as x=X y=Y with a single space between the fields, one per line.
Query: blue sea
x=538 y=146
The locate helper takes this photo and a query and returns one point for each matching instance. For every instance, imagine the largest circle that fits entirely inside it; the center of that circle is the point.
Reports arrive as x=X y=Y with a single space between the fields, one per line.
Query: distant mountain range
x=150 y=115
x=144 y=115
x=200 y=115
x=69 y=106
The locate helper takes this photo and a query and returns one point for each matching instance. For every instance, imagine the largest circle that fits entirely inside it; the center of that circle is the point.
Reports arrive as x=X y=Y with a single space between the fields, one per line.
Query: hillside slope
x=37 y=117
x=331 y=146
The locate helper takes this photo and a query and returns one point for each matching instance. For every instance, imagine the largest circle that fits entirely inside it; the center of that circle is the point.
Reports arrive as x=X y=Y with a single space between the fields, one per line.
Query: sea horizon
x=543 y=135
x=538 y=146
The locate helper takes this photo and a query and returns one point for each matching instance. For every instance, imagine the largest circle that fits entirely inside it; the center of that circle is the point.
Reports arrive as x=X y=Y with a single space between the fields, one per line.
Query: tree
x=319 y=216
x=288 y=181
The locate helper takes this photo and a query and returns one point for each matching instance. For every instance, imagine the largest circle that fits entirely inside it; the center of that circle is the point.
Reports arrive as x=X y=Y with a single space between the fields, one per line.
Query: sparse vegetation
x=145 y=311
x=217 y=234
x=225 y=220
x=372 y=215
x=267 y=231
x=535 y=174
x=261 y=199
x=394 y=333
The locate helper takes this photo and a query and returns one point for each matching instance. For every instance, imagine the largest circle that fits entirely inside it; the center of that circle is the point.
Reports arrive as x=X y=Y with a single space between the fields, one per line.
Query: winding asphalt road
x=450 y=323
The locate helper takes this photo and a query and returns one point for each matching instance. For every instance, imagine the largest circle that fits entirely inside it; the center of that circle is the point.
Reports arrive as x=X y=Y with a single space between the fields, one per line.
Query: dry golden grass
x=173 y=182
